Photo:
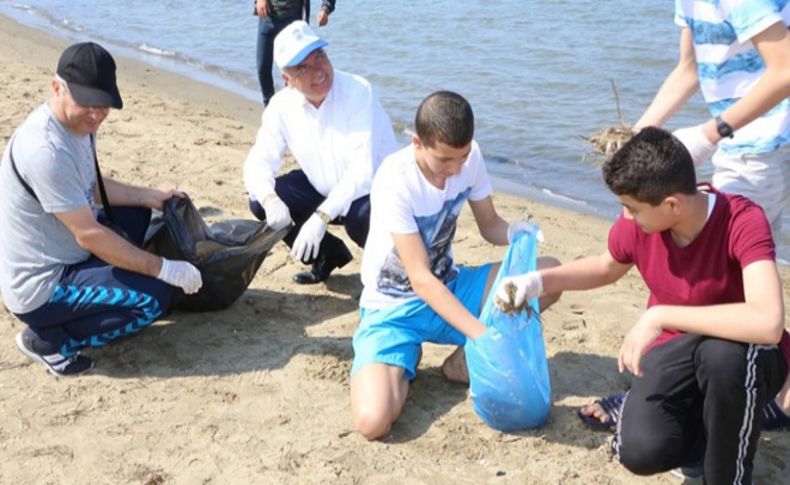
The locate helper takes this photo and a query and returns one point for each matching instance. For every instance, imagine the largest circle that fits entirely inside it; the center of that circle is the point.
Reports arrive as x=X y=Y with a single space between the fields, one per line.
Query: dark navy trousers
x=95 y=303
x=302 y=200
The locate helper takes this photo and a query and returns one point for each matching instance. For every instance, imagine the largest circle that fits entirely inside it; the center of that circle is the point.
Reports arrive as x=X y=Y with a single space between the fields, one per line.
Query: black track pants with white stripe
x=700 y=398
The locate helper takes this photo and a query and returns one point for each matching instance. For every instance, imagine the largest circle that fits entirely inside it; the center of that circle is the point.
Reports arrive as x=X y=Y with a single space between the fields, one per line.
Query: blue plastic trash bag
x=508 y=370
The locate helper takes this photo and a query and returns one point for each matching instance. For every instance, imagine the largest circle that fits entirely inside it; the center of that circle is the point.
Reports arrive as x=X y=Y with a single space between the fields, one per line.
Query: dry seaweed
x=606 y=142
x=509 y=307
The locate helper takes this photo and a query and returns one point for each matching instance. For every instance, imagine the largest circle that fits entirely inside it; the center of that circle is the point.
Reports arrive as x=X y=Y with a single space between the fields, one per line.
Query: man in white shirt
x=335 y=127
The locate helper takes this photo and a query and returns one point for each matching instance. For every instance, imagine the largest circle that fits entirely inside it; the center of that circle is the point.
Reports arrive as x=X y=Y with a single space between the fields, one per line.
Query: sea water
x=538 y=73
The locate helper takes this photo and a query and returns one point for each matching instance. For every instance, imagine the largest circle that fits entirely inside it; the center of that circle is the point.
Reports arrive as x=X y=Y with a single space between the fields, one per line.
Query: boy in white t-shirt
x=413 y=291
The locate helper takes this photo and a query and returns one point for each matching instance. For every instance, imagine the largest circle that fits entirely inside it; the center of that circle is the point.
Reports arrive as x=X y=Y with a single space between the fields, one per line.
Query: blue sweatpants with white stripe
x=700 y=399
x=95 y=303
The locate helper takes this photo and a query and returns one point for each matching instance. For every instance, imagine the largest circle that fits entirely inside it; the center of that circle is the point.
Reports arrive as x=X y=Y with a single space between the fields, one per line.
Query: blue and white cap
x=294 y=43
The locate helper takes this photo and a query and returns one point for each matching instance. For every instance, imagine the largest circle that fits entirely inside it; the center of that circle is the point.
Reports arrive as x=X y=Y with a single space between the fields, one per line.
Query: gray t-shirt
x=35 y=246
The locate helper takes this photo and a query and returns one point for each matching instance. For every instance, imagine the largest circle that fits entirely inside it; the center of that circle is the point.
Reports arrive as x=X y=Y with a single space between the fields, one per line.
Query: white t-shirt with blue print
x=404 y=202
x=729 y=65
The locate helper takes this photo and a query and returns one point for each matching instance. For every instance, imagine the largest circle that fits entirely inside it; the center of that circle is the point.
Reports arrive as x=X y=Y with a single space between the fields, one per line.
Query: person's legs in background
x=765 y=179
x=268 y=29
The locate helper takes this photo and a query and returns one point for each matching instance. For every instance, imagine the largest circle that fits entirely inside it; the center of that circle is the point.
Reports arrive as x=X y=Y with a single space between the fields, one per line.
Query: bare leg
x=378 y=392
x=454 y=367
x=783 y=398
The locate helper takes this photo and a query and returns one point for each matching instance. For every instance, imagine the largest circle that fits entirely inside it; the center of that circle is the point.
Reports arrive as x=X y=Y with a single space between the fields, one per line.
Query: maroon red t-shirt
x=706 y=272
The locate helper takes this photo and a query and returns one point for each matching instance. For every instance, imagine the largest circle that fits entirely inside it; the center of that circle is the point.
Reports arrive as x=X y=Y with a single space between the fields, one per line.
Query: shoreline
x=258 y=392
x=136 y=73
x=139 y=71
x=212 y=91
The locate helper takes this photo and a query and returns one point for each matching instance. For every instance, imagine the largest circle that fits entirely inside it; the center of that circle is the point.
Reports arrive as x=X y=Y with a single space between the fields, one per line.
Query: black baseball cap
x=89 y=72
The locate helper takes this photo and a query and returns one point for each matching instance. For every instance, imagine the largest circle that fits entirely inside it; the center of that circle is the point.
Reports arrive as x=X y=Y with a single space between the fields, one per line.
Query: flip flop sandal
x=612 y=405
x=774 y=418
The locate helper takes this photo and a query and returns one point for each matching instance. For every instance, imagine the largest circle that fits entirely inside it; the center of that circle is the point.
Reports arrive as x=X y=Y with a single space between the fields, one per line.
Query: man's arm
x=262 y=8
x=122 y=194
x=265 y=157
x=430 y=289
x=583 y=274
x=758 y=320
x=358 y=141
x=491 y=226
x=676 y=90
x=107 y=245
x=773 y=44
x=327 y=7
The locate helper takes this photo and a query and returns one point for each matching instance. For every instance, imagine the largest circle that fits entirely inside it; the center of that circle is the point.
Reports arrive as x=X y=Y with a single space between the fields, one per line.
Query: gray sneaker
x=56 y=363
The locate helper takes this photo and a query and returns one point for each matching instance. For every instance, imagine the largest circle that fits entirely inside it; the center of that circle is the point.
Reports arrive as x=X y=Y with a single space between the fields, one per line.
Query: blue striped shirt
x=729 y=65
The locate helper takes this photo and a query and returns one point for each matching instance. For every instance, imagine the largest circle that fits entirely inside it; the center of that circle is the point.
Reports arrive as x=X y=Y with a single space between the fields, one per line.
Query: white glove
x=277 y=214
x=696 y=143
x=181 y=274
x=309 y=239
x=523 y=226
x=515 y=291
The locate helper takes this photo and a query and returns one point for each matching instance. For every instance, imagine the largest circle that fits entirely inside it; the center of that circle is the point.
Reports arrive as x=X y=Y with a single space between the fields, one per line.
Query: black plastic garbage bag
x=228 y=254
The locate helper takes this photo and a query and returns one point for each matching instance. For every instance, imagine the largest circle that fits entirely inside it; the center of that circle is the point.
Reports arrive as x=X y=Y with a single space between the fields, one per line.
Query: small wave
x=563 y=198
x=148 y=49
x=67 y=24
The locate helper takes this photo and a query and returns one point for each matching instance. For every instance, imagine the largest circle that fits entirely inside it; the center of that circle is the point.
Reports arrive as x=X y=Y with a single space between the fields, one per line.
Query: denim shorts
x=393 y=336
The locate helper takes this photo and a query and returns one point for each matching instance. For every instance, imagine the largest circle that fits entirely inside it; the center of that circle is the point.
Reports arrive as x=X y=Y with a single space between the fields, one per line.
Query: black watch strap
x=723 y=128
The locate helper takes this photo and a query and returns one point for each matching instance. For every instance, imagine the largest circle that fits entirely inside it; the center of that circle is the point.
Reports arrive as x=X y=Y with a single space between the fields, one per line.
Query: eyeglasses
x=317 y=59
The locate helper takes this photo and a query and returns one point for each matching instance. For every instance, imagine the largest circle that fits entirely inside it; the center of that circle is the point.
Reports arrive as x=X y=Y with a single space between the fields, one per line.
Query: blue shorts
x=393 y=336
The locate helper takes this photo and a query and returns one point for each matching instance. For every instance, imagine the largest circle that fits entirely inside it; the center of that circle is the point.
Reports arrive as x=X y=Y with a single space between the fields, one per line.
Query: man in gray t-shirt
x=75 y=282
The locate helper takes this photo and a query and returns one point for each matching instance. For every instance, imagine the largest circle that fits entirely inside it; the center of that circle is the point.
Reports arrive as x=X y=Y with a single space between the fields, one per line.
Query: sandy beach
x=259 y=393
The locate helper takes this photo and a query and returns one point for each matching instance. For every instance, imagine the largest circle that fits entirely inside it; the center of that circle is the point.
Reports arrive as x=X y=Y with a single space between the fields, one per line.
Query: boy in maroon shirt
x=704 y=354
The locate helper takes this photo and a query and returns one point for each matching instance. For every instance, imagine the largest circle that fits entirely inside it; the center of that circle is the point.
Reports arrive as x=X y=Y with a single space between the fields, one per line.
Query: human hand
x=322 y=17
x=156 y=198
x=262 y=8
x=182 y=274
x=523 y=226
x=696 y=142
x=515 y=291
x=277 y=214
x=646 y=330
x=309 y=239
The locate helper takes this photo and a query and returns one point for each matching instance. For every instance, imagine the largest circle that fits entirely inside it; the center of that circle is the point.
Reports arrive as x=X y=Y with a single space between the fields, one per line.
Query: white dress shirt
x=338 y=145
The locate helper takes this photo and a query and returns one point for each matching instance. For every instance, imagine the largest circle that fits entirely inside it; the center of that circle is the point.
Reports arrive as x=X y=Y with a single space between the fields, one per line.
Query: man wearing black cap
x=75 y=282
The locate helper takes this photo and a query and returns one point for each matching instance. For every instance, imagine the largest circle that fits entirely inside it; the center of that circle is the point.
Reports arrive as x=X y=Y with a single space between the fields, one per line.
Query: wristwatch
x=324 y=217
x=723 y=128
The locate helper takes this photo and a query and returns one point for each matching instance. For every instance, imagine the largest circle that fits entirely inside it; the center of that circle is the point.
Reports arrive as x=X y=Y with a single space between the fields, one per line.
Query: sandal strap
x=613 y=406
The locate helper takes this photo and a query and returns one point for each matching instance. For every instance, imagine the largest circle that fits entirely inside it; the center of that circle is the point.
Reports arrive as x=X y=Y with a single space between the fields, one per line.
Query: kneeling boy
x=704 y=352
x=414 y=292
